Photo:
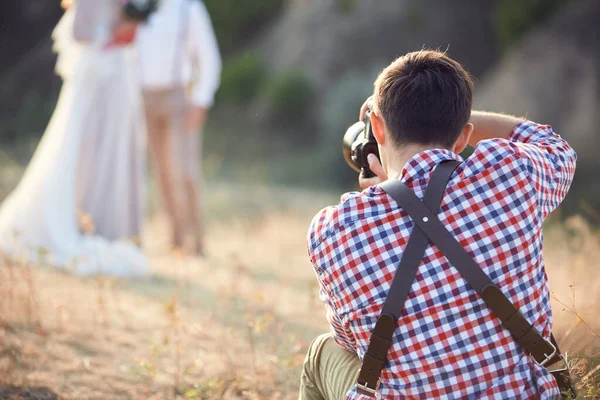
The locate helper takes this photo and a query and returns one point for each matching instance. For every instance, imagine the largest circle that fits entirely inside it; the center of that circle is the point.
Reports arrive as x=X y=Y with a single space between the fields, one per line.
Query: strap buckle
x=363 y=388
x=547 y=357
x=566 y=367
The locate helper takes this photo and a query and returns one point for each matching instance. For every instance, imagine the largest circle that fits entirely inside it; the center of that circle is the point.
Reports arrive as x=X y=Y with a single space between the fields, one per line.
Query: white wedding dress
x=90 y=159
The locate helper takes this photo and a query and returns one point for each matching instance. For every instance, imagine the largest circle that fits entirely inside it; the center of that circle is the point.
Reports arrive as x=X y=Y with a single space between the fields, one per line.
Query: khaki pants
x=176 y=157
x=329 y=370
x=165 y=115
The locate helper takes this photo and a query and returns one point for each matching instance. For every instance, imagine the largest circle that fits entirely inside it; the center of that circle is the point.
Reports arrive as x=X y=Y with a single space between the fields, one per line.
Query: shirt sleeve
x=340 y=330
x=549 y=160
x=205 y=52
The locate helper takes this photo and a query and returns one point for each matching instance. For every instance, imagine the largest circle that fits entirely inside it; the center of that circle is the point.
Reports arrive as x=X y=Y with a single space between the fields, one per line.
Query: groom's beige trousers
x=175 y=152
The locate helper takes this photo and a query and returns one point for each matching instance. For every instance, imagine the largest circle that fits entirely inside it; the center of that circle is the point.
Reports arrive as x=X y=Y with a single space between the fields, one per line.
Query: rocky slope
x=325 y=38
x=553 y=77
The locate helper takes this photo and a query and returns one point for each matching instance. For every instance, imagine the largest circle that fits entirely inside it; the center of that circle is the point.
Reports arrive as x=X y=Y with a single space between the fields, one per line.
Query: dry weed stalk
x=579 y=318
x=117 y=304
x=173 y=315
x=590 y=375
x=177 y=345
x=102 y=316
x=9 y=288
x=33 y=304
x=20 y=292
x=6 y=291
x=252 y=348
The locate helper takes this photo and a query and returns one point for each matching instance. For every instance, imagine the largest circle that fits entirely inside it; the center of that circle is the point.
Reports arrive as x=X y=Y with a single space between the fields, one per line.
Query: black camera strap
x=381 y=338
x=428 y=227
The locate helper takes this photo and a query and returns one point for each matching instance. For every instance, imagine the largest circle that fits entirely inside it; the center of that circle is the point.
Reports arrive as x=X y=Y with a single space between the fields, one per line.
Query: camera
x=358 y=143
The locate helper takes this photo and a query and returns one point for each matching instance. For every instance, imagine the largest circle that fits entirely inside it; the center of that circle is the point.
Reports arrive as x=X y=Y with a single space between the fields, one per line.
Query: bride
x=90 y=159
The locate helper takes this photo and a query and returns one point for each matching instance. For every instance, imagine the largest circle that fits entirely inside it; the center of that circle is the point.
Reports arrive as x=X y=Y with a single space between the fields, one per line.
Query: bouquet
x=139 y=10
x=133 y=13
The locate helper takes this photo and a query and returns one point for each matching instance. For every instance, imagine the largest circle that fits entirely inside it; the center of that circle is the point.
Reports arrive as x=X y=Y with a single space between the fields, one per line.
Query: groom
x=180 y=73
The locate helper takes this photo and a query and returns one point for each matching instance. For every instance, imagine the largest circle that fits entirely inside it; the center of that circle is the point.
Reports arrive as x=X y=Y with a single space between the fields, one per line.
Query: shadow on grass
x=230 y=310
x=26 y=393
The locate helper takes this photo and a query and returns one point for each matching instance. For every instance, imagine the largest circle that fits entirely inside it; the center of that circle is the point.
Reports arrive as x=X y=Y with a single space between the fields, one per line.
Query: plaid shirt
x=448 y=344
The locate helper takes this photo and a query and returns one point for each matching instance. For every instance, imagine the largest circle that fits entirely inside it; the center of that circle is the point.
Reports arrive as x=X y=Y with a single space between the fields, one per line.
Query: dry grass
x=572 y=253
x=233 y=326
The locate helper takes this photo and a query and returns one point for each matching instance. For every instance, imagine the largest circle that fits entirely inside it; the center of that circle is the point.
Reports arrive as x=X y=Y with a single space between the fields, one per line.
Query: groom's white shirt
x=178 y=35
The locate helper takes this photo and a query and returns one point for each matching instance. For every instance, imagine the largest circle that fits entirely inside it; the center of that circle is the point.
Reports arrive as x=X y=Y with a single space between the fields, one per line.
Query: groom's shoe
x=177 y=241
x=136 y=240
x=199 y=247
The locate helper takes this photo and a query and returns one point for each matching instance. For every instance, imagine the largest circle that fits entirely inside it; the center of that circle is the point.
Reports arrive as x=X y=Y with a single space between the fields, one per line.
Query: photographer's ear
x=463 y=140
x=378 y=125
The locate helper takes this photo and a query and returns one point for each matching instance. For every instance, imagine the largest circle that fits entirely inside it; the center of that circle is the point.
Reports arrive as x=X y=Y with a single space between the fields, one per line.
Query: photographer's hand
x=377 y=168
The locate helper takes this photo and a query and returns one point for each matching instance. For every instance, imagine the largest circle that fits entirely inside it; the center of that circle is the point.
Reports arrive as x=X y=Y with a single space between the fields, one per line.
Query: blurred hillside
x=296 y=71
x=28 y=86
x=554 y=77
x=327 y=39
x=338 y=48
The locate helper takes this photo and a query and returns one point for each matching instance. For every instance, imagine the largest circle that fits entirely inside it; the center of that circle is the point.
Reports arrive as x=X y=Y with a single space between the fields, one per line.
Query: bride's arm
x=83 y=25
x=88 y=26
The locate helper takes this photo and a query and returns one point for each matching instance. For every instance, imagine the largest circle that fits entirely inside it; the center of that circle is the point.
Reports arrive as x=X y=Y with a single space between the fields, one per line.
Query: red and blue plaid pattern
x=448 y=343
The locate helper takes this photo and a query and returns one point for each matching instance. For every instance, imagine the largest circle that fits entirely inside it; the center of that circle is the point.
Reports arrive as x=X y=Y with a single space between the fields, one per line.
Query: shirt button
x=425 y=219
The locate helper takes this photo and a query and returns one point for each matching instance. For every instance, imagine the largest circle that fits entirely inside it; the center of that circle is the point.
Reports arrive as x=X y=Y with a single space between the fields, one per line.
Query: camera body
x=358 y=143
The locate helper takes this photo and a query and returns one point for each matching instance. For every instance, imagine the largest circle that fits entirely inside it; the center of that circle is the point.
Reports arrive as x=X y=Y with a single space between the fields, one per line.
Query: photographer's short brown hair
x=424 y=97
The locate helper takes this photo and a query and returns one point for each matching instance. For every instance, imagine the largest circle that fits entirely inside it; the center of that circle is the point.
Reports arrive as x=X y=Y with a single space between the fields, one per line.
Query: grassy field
x=235 y=325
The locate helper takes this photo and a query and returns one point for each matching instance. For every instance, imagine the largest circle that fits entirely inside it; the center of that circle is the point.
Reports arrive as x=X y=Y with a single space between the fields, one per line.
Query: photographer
x=447 y=342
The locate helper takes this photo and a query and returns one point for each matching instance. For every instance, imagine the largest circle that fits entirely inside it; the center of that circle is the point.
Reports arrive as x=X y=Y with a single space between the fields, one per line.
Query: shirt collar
x=425 y=161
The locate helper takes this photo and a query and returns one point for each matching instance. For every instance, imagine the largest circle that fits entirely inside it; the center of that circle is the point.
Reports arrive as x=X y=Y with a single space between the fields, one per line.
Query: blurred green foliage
x=236 y=21
x=26 y=116
x=289 y=96
x=513 y=18
x=338 y=111
x=346 y=6
x=241 y=78
x=415 y=16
